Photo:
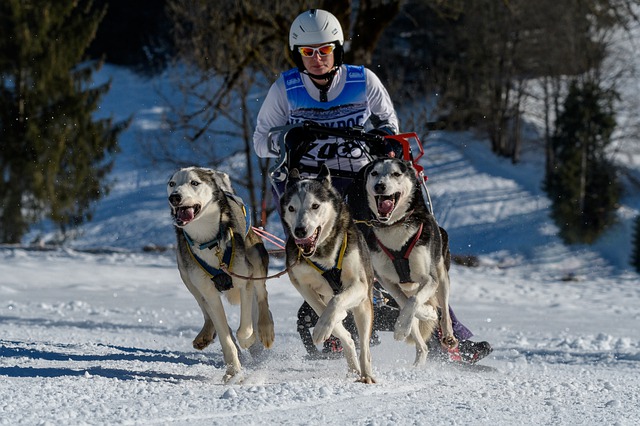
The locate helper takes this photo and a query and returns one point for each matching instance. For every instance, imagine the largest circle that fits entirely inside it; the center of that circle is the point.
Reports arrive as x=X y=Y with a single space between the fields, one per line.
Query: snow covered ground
x=104 y=336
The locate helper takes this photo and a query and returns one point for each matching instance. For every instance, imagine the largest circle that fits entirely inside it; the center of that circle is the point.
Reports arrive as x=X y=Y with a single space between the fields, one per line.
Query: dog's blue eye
x=195 y=183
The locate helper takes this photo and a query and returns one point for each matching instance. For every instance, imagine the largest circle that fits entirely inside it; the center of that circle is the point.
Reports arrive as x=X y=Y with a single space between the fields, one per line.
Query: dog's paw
x=426 y=313
x=324 y=326
x=233 y=376
x=265 y=330
x=267 y=336
x=449 y=342
x=400 y=334
x=402 y=328
x=206 y=335
x=203 y=340
x=369 y=380
x=321 y=333
x=421 y=356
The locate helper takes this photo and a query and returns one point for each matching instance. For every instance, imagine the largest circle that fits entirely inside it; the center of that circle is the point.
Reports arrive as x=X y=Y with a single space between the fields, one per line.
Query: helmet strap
x=327 y=76
x=323 y=88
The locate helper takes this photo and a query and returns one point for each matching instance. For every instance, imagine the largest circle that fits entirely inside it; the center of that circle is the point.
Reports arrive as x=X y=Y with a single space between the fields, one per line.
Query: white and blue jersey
x=348 y=109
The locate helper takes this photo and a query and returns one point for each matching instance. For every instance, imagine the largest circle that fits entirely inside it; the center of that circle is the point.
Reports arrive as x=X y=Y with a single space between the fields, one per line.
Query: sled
x=406 y=145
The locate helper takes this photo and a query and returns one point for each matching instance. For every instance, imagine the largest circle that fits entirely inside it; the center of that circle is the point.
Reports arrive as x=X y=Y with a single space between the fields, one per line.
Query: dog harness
x=332 y=275
x=220 y=278
x=400 y=258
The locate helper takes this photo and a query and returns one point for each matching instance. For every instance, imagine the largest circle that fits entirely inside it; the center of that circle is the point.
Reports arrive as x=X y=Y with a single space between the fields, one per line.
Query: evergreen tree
x=583 y=183
x=54 y=155
x=635 y=255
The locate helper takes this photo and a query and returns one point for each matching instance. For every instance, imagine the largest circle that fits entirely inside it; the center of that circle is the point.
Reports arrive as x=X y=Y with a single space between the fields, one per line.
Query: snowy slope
x=105 y=338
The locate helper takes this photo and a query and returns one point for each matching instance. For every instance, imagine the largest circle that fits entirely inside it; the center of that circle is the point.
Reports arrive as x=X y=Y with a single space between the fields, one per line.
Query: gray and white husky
x=329 y=264
x=410 y=253
x=214 y=250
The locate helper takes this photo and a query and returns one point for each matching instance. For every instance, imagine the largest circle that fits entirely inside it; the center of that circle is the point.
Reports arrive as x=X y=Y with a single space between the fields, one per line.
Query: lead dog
x=211 y=236
x=329 y=264
x=410 y=252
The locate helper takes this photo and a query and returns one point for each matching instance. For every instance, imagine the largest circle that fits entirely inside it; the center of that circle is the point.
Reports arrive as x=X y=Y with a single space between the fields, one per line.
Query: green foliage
x=583 y=183
x=635 y=255
x=54 y=154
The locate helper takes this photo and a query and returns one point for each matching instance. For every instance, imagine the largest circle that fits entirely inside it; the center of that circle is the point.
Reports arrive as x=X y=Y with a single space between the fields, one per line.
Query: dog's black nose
x=380 y=187
x=175 y=199
x=300 y=232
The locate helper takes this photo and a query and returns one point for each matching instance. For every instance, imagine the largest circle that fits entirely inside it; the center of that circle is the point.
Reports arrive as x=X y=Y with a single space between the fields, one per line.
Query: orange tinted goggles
x=324 y=50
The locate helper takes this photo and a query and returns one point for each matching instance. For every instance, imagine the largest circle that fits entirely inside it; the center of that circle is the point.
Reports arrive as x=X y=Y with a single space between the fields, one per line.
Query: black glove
x=296 y=137
x=382 y=131
x=394 y=148
x=296 y=143
x=388 y=147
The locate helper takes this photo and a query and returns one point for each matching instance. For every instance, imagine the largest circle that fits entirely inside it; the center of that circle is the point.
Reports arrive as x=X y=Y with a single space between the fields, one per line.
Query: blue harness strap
x=220 y=278
x=245 y=210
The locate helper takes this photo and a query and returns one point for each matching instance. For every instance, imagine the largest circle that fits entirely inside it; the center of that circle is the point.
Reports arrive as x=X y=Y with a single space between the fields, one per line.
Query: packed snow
x=100 y=331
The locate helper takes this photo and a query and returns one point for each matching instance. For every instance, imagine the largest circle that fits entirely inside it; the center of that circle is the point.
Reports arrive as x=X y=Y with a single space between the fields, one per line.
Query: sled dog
x=213 y=249
x=410 y=253
x=329 y=264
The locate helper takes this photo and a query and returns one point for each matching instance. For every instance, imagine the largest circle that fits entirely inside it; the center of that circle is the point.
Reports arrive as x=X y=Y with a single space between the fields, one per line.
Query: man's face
x=317 y=64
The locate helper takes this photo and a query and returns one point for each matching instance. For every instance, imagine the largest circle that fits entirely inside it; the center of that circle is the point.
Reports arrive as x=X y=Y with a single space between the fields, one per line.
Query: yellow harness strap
x=321 y=270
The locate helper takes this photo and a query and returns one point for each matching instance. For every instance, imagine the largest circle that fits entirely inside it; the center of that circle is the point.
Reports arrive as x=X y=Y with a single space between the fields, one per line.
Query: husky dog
x=214 y=250
x=410 y=253
x=329 y=264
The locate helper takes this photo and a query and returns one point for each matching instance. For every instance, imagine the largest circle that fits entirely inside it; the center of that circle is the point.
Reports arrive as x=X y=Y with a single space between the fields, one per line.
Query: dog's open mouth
x=386 y=205
x=308 y=245
x=185 y=214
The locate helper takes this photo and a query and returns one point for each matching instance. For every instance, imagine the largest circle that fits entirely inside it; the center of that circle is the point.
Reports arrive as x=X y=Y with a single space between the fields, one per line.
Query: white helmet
x=315 y=26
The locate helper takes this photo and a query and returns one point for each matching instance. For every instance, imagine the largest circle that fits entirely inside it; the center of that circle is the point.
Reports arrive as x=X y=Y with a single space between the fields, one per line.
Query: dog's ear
x=205 y=174
x=293 y=177
x=223 y=180
x=324 y=177
x=406 y=165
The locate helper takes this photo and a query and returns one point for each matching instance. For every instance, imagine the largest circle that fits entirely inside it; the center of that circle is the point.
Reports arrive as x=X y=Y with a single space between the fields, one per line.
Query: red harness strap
x=400 y=258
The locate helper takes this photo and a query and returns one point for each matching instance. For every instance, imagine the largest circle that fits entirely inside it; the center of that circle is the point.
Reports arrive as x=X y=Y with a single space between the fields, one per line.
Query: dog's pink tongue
x=185 y=214
x=385 y=206
x=304 y=241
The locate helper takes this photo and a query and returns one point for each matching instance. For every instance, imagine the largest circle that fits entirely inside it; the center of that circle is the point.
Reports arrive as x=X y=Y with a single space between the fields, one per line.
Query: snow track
x=111 y=344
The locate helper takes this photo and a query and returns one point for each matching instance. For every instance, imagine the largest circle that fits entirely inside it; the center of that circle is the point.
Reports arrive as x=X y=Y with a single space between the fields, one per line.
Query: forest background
x=517 y=73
